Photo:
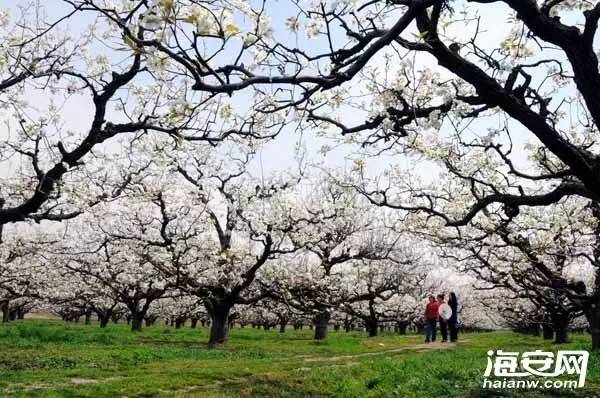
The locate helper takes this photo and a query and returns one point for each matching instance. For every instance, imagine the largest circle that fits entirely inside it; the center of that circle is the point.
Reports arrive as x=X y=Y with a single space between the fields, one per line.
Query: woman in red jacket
x=431 y=316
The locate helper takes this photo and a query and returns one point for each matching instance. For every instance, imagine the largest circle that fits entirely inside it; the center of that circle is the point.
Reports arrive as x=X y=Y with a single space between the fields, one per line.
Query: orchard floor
x=53 y=359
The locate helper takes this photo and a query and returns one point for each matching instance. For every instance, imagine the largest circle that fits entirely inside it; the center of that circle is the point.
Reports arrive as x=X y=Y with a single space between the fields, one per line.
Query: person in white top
x=444 y=316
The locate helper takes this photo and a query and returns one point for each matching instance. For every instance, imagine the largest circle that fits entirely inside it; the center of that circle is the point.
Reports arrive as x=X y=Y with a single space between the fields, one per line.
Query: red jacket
x=432 y=310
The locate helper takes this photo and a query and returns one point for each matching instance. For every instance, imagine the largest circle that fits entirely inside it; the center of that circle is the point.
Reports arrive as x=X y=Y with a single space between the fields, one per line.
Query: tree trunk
x=282 y=326
x=372 y=326
x=561 y=335
x=560 y=322
x=420 y=328
x=348 y=327
x=592 y=314
x=219 y=315
x=194 y=323
x=321 y=320
x=5 y=311
x=88 y=317
x=137 y=321
x=402 y=327
x=534 y=329
x=104 y=319
x=179 y=322
x=547 y=329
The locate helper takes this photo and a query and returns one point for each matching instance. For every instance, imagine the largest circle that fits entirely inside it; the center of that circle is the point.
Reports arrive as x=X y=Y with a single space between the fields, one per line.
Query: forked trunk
x=219 y=328
x=103 y=318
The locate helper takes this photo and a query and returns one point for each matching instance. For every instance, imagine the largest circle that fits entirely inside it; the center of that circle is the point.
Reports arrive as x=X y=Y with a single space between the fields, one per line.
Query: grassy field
x=52 y=359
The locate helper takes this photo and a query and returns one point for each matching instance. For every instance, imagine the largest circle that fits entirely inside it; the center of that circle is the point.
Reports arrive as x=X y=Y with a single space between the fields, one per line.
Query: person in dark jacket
x=431 y=316
x=443 y=322
x=453 y=321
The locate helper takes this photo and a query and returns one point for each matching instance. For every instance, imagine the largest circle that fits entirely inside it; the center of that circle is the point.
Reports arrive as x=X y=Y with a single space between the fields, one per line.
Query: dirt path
x=416 y=347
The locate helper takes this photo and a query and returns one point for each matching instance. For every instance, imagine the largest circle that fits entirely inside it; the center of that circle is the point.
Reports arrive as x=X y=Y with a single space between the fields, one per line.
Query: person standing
x=443 y=320
x=453 y=321
x=431 y=316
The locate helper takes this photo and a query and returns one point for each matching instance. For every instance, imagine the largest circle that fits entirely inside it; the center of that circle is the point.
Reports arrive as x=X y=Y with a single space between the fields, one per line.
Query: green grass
x=53 y=359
